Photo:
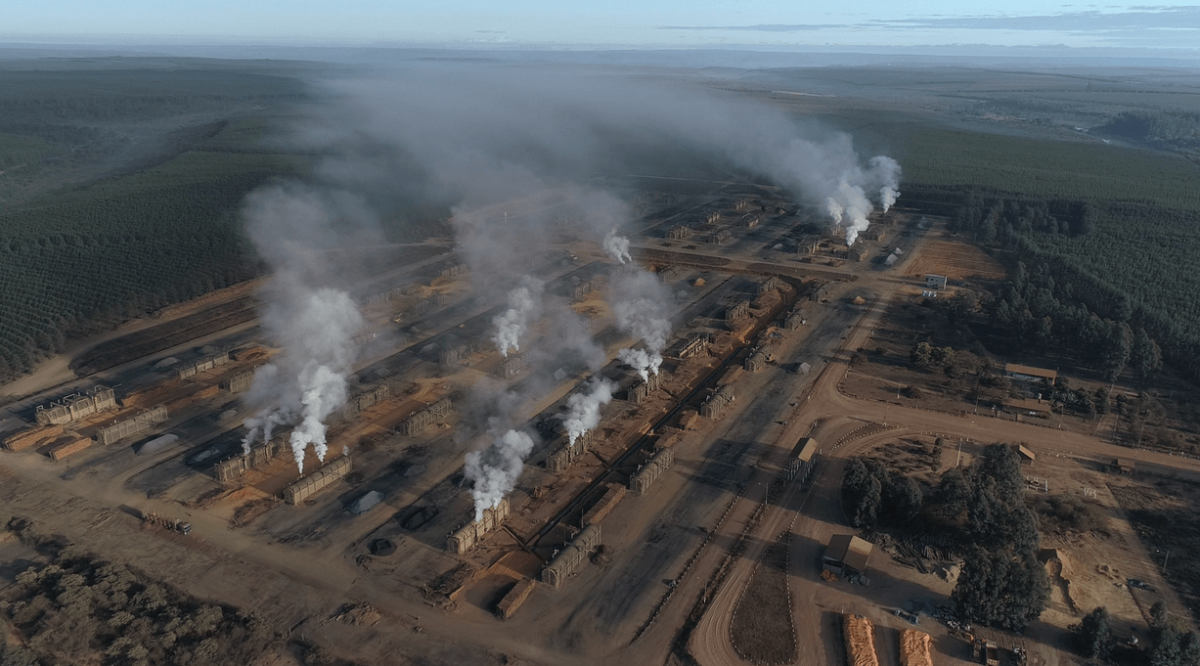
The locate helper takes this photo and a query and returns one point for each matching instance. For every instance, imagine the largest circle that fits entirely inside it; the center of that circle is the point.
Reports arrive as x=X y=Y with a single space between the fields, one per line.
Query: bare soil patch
x=957 y=261
x=164 y=336
x=1166 y=516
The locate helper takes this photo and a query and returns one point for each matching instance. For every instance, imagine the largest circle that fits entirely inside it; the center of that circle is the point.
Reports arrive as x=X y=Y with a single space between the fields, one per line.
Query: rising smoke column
x=309 y=382
x=523 y=304
x=617 y=246
x=640 y=302
x=314 y=323
x=848 y=203
x=887 y=171
x=493 y=471
x=584 y=408
x=547 y=128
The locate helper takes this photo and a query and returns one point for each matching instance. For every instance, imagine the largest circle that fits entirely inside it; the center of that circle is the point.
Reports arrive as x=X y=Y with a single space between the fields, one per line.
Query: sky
x=606 y=24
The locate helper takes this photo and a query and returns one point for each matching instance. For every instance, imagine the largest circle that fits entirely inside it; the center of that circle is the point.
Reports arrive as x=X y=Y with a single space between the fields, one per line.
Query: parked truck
x=173 y=524
x=986 y=652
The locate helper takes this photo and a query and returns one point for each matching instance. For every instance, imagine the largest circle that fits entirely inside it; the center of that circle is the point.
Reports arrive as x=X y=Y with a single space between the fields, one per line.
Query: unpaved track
x=234 y=566
x=710 y=644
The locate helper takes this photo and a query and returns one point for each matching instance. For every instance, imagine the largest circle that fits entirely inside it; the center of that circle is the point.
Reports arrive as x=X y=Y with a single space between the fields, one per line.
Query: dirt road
x=710 y=643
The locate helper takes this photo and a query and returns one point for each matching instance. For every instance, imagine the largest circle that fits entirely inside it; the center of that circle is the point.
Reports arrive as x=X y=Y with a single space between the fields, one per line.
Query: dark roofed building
x=1029 y=373
x=847 y=555
x=1123 y=465
x=800 y=463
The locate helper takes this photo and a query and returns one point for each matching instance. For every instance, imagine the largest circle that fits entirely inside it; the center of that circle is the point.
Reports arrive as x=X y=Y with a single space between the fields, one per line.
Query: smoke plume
x=584 y=408
x=313 y=322
x=640 y=303
x=494 y=471
x=546 y=128
x=617 y=246
x=510 y=170
x=523 y=304
x=641 y=360
x=887 y=171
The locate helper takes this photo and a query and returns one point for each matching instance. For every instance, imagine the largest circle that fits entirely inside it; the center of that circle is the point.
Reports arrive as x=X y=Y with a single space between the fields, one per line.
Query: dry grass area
x=761 y=630
x=916 y=457
x=1166 y=517
x=957 y=261
x=246 y=513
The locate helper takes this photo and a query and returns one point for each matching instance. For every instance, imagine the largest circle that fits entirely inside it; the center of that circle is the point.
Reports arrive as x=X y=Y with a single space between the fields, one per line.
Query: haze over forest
x=568 y=335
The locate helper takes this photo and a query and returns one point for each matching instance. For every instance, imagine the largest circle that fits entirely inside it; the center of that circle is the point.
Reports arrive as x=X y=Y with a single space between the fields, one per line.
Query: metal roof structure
x=849 y=551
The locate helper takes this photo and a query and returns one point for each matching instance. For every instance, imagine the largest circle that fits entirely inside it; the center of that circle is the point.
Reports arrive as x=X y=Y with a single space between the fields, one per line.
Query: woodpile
x=859 y=635
x=919 y=551
x=255 y=353
x=515 y=598
x=67 y=448
x=32 y=437
x=915 y=648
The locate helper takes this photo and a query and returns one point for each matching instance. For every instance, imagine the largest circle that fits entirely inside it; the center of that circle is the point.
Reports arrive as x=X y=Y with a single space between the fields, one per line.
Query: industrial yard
x=671 y=514
x=678 y=509
x=572 y=443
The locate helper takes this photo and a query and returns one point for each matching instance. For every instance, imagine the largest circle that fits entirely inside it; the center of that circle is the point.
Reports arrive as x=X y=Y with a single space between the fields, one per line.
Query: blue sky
x=607 y=23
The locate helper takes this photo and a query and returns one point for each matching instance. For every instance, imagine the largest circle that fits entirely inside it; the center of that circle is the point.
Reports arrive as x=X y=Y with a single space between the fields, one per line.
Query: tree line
x=86 y=259
x=91 y=95
x=1177 y=127
x=1002 y=584
x=1112 y=282
x=1174 y=643
x=81 y=610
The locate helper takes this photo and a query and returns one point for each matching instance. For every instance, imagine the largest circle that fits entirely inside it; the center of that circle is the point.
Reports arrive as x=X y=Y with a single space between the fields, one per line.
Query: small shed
x=1028 y=406
x=1123 y=465
x=847 y=555
x=1028 y=373
x=935 y=282
x=1027 y=457
x=800 y=463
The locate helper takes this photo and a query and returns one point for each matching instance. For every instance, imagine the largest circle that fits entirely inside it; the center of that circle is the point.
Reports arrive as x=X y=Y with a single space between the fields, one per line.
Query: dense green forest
x=80 y=258
x=1084 y=284
x=1088 y=171
x=1167 y=128
x=981 y=509
x=89 y=257
x=1101 y=242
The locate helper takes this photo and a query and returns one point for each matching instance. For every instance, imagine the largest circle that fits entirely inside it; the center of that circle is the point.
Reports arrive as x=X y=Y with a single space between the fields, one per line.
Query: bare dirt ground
x=679 y=562
x=956 y=260
x=1163 y=512
x=1089 y=566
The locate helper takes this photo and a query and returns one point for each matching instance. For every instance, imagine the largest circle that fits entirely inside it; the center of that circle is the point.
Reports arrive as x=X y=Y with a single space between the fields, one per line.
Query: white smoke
x=617 y=246
x=834 y=209
x=523 y=304
x=544 y=127
x=887 y=171
x=309 y=381
x=640 y=303
x=314 y=324
x=887 y=198
x=584 y=411
x=849 y=204
x=857 y=207
x=640 y=360
x=493 y=471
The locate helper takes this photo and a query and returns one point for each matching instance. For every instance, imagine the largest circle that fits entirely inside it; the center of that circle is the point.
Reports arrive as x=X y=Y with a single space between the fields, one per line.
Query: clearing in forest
x=957 y=261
